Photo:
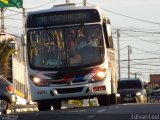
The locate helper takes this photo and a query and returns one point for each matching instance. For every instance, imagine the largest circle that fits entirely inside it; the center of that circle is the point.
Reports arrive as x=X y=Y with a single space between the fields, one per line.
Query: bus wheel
x=43 y=105
x=103 y=100
x=57 y=105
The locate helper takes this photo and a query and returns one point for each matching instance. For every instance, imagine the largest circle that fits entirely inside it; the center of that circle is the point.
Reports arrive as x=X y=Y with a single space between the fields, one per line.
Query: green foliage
x=80 y=102
x=5 y=52
x=92 y=103
x=76 y=102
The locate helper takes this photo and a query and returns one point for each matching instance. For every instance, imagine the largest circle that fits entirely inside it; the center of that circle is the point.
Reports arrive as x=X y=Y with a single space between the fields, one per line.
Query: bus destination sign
x=62 y=18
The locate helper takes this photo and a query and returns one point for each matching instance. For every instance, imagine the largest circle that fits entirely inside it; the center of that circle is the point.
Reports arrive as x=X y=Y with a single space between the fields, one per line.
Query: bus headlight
x=99 y=76
x=39 y=82
x=36 y=80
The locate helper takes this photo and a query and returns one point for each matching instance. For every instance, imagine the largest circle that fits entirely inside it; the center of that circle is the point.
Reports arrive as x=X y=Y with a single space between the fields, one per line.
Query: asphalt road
x=114 y=112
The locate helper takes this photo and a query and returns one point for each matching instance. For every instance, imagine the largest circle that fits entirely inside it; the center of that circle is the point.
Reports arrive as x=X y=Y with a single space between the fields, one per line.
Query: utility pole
x=24 y=32
x=24 y=55
x=84 y=2
x=135 y=75
x=129 y=52
x=23 y=18
x=118 y=46
x=2 y=20
x=67 y=1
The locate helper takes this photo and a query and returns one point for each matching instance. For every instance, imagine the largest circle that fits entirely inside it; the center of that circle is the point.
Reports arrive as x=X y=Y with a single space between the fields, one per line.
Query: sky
x=137 y=20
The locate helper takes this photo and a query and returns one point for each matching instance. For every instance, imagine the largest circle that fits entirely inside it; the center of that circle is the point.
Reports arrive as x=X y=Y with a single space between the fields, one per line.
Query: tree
x=5 y=52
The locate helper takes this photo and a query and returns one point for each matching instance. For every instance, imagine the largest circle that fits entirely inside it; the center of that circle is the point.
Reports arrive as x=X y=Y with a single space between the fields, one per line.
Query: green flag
x=11 y=3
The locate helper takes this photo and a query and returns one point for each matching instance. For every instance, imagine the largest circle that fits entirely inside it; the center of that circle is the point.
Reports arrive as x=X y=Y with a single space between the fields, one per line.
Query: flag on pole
x=11 y=3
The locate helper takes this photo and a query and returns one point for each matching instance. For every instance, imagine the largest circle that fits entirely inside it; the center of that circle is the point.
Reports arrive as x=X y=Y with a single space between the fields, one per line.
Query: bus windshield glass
x=65 y=47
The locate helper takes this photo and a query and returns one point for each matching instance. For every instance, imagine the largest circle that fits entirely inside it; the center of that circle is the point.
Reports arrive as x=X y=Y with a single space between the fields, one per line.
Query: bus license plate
x=128 y=99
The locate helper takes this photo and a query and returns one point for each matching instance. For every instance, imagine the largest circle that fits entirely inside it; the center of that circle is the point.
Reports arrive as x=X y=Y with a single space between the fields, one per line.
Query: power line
x=14 y=11
x=42 y=5
x=136 y=63
x=17 y=35
x=129 y=16
x=18 y=30
x=141 y=31
x=151 y=72
x=145 y=69
x=152 y=61
x=138 y=53
x=133 y=40
x=142 y=68
x=123 y=48
x=47 y=4
x=145 y=51
x=13 y=18
x=12 y=15
x=132 y=17
x=143 y=59
x=140 y=38
x=10 y=26
x=136 y=29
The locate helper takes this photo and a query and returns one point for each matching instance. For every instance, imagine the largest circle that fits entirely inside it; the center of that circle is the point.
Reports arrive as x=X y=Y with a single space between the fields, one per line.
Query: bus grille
x=70 y=90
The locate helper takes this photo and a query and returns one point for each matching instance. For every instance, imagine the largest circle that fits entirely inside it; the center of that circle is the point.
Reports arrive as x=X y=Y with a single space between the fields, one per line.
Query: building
x=155 y=79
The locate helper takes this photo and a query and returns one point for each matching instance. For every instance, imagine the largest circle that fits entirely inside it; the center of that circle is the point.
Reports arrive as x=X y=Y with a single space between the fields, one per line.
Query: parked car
x=7 y=96
x=131 y=90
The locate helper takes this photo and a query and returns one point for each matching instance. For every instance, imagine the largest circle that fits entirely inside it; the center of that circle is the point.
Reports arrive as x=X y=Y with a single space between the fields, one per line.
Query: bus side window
x=105 y=35
x=108 y=34
x=110 y=39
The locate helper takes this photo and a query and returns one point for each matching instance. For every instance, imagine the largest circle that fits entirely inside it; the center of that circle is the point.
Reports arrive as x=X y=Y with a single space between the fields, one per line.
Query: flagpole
x=2 y=20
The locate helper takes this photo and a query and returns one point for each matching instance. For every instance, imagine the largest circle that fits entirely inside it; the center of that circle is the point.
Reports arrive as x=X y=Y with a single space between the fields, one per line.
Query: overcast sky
x=137 y=20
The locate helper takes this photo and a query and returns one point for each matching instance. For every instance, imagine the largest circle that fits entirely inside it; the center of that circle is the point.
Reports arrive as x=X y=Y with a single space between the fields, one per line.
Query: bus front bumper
x=69 y=92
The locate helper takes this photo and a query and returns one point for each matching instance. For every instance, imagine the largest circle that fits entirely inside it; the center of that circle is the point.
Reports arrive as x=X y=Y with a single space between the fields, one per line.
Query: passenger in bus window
x=37 y=58
x=81 y=41
x=74 y=58
x=93 y=41
x=90 y=53
x=70 y=45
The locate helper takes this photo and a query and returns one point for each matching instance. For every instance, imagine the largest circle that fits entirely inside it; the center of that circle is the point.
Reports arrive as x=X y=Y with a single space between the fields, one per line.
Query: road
x=115 y=112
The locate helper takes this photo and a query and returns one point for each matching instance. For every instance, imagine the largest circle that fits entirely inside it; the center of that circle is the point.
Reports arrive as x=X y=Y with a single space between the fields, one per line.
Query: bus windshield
x=65 y=47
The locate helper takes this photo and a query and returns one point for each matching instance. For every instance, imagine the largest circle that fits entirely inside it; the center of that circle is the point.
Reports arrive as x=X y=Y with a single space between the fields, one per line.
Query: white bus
x=70 y=55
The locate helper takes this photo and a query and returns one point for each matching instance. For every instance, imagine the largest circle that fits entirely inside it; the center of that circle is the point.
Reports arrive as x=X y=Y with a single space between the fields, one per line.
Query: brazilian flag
x=11 y=3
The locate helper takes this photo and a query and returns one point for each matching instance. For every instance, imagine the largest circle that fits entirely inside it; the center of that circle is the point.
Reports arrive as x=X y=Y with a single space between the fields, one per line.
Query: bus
x=70 y=56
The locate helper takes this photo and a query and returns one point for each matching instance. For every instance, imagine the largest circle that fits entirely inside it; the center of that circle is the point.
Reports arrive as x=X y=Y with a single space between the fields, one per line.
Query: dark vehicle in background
x=154 y=96
x=7 y=96
x=131 y=90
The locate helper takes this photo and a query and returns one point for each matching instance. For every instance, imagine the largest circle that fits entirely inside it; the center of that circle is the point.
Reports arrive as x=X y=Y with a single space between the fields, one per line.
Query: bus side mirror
x=23 y=39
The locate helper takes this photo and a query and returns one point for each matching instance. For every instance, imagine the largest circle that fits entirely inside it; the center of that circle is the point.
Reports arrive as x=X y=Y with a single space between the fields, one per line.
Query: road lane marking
x=36 y=114
x=100 y=111
x=77 y=111
x=90 y=116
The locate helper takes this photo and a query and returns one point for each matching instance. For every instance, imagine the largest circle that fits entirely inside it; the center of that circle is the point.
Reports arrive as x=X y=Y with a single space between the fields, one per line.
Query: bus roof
x=66 y=7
